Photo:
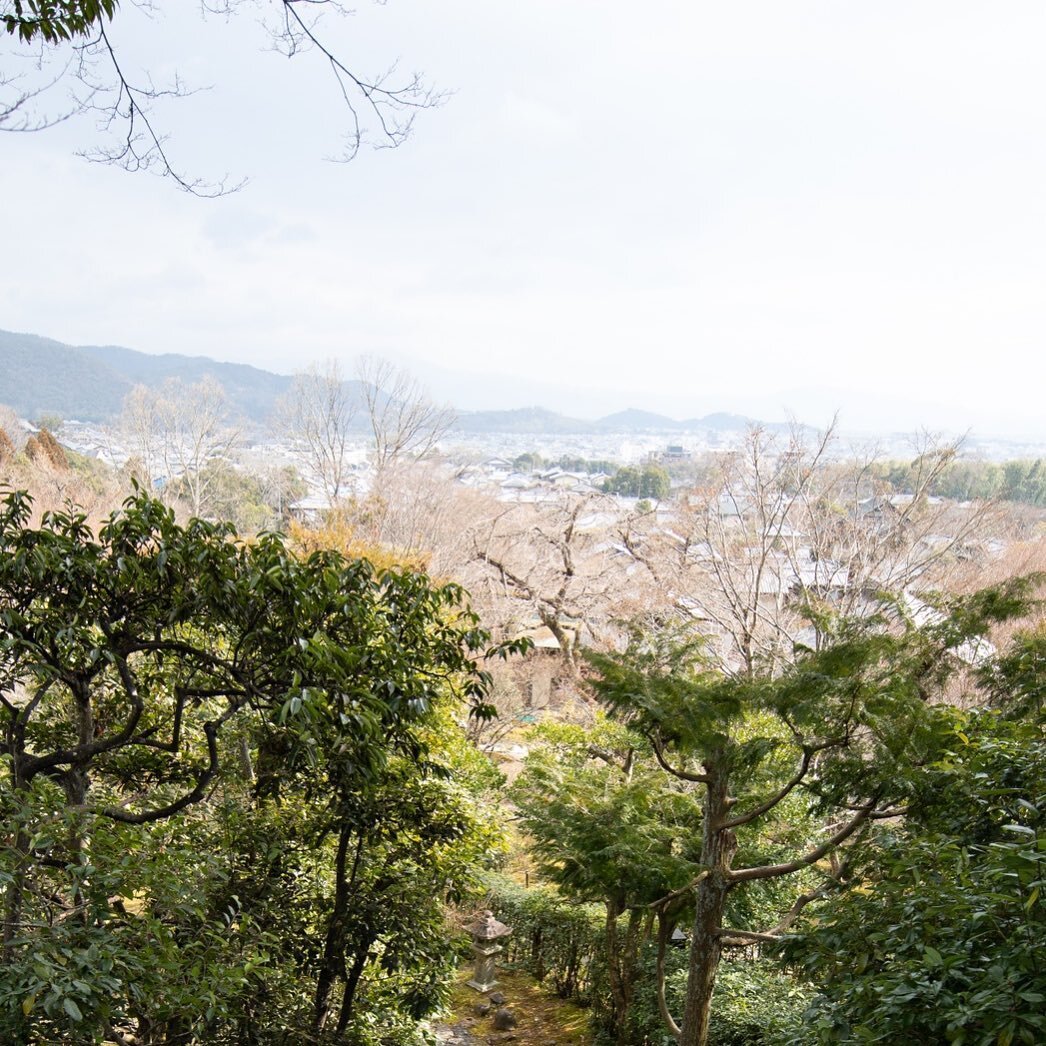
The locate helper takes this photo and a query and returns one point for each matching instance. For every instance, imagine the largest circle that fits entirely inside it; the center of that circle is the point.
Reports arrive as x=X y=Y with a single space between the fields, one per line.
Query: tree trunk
x=718 y=846
x=15 y=892
x=348 y=997
x=621 y=966
x=76 y=785
x=705 y=952
x=13 y=901
x=619 y=996
x=13 y=898
x=333 y=961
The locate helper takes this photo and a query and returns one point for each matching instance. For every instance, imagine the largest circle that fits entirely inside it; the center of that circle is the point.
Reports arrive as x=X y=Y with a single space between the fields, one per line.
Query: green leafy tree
x=52 y=21
x=651 y=482
x=938 y=935
x=572 y=463
x=530 y=461
x=607 y=827
x=1020 y=481
x=844 y=726
x=251 y=502
x=161 y=685
x=353 y=888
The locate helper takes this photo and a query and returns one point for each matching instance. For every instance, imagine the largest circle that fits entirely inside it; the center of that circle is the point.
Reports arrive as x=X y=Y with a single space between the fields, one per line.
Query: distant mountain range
x=538 y=421
x=89 y=382
x=41 y=376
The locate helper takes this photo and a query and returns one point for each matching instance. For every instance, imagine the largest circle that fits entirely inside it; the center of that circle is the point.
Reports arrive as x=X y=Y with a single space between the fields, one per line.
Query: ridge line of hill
x=40 y=376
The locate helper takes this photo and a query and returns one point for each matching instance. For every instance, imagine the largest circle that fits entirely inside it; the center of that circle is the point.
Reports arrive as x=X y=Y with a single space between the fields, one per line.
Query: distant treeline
x=1021 y=481
x=644 y=481
x=649 y=481
x=532 y=461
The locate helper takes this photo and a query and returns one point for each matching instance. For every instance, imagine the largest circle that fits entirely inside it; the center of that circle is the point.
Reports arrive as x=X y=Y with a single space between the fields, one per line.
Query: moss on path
x=543 y=1019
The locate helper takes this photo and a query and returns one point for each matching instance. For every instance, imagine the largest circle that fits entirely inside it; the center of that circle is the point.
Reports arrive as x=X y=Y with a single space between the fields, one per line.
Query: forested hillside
x=251 y=391
x=41 y=376
x=44 y=377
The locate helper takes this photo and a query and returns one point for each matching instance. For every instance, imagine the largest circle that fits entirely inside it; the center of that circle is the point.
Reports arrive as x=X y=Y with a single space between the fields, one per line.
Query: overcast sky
x=755 y=207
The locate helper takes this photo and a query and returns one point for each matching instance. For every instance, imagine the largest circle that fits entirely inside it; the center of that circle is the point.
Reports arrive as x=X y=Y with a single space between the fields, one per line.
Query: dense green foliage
x=723 y=801
x=591 y=465
x=756 y=1004
x=233 y=794
x=237 y=802
x=939 y=935
x=634 y=842
x=650 y=481
x=607 y=827
x=557 y=940
x=250 y=503
x=41 y=375
x=1020 y=481
x=532 y=461
x=561 y=942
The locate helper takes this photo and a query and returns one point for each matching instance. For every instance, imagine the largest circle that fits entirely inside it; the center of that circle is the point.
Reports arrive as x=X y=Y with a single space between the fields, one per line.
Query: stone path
x=456 y=1035
x=471 y=1033
x=543 y=1020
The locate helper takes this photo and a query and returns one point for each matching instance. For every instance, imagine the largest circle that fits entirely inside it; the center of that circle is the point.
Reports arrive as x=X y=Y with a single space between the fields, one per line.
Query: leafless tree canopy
x=181 y=432
x=404 y=422
x=556 y=565
x=783 y=531
x=317 y=414
x=76 y=46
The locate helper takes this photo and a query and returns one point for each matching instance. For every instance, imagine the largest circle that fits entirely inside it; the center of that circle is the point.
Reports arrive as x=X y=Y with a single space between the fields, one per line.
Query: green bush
x=940 y=937
x=553 y=939
x=756 y=1004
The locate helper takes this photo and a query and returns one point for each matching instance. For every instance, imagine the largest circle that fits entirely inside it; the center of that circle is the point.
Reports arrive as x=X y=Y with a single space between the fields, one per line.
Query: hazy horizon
x=481 y=392
x=760 y=210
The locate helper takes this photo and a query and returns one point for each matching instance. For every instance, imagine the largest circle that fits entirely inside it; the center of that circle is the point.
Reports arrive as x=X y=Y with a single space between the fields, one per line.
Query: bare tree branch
x=683 y=775
x=403 y=420
x=769 y=871
x=381 y=108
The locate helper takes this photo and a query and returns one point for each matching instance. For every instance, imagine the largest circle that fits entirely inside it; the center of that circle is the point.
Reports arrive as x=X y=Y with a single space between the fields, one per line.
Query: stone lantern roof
x=487 y=928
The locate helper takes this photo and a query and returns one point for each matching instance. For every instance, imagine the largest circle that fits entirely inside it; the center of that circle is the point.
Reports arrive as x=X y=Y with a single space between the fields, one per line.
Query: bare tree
x=403 y=420
x=21 y=98
x=180 y=434
x=318 y=413
x=732 y=573
x=783 y=530
x=138 y=429
x=12 y=427
x=556 y=564
x=855 y=539
x=422 y=509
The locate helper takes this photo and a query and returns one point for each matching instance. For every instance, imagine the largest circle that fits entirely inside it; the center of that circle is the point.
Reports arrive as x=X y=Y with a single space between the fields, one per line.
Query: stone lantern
x=486 y=931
